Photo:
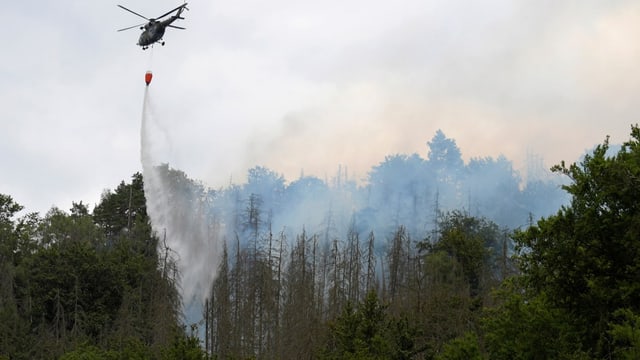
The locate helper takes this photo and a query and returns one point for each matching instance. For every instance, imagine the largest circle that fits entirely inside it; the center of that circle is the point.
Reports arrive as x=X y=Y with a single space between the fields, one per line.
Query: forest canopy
x=430 y=258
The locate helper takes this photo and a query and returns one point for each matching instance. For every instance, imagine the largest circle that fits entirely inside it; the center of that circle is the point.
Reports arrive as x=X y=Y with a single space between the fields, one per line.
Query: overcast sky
x=300 y=85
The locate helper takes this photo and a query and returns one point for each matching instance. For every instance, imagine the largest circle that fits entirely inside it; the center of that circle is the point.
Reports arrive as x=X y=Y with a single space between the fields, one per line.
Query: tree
x=185 y=346
x=268 y=185
x=462 y=348
x=219 y=321
x=398 y=265
x=370 y=272
x=443 y=152
x=353 y=271
x=586 y=258
x=299 y=316
x=75 y=285
x=493 y=190
x=472 y=242
x=13 y=331
x=527 y=326
x=119 y=212
x=367 y=332
x=398 y=188
x=625 y=332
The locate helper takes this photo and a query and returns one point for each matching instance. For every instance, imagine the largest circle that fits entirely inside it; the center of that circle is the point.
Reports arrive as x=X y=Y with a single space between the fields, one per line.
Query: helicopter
x=154 y=29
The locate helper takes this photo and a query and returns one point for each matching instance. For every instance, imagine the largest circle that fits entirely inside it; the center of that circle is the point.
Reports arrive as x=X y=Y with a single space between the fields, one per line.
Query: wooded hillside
x=362 y=284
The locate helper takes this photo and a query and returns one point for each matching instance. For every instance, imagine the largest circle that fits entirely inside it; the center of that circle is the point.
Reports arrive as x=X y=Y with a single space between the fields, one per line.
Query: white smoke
x=177 y=213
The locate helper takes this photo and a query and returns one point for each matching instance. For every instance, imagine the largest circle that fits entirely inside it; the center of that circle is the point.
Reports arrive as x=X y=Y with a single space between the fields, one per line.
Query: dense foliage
x=567 y=290
x=582 y=265
x=79 y=285
x=314 y=269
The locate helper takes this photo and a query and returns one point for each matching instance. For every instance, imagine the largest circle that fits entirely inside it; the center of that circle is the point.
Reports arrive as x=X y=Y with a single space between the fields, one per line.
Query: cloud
x=301 y=85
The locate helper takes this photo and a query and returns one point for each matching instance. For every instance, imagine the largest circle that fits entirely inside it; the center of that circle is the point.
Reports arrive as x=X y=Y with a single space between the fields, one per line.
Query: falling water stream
x=175 y=217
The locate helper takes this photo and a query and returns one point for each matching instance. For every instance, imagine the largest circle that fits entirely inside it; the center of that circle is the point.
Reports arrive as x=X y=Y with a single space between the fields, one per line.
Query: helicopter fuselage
x=153 y=32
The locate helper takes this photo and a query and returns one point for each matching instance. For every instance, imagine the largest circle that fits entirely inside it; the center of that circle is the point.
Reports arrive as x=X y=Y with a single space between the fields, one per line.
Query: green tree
x=462 y=348
x=124 y=212
x=185 y=346
x=585 y=260
x=367 y=332
x=625 y=332
x=444 y=311
x=457 y=272
x=474 y=243
x=522 y=326
x=89 y=352
x=12 y=327
x=82 y=285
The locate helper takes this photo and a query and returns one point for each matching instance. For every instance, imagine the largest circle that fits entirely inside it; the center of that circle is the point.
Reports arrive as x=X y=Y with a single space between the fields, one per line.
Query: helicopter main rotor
x=152 y=20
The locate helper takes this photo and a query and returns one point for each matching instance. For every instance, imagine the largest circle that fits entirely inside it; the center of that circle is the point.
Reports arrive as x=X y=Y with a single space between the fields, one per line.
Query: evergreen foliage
x=368 y=332
x=84 y=285
x=585 y=259
x=397 y=276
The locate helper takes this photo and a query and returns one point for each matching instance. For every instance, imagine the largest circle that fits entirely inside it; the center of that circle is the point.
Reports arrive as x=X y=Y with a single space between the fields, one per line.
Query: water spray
x=176 y=212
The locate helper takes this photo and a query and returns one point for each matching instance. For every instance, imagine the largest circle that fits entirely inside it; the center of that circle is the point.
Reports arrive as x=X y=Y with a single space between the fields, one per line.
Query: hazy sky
x=305 y=85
